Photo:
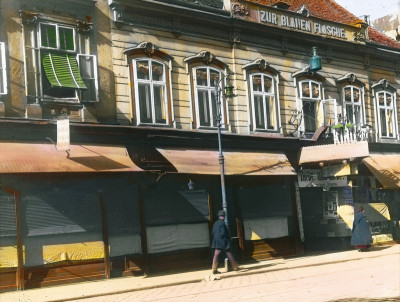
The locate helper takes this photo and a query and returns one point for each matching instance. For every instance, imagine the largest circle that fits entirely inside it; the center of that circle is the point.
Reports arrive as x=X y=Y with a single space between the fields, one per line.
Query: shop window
x=208 y=76
x=330 y=204
x=150 y=90
x=3 y=74
x=385 y=98
x=57 y=65
x=310 y=95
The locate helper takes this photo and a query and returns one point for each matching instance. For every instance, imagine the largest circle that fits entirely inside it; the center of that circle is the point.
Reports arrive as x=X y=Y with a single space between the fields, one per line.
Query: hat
x=221 y=213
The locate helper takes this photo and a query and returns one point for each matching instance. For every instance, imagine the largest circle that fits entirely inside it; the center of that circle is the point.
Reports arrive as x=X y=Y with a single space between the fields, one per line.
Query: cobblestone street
x=370 y=279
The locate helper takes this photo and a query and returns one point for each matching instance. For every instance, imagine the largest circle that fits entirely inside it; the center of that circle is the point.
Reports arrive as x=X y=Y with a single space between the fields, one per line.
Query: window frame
x=386 y=108
x=146 y=51
x=313 y=100
x=210 y=89
x=264 y=95
x=353 y=104
x=35 y=75
x=151 y=83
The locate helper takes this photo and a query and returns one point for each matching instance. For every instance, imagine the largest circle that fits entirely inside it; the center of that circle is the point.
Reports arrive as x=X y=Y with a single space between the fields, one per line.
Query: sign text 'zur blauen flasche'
x=302 y=24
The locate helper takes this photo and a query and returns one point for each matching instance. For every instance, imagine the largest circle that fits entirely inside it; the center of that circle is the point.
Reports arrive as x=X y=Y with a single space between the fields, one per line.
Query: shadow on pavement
x=395 y=299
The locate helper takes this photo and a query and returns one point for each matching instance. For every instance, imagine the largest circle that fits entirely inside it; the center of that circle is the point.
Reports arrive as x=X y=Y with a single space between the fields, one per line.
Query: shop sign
x=63 y=135
x=296 y=21
x=314 y=178
x=302 y=24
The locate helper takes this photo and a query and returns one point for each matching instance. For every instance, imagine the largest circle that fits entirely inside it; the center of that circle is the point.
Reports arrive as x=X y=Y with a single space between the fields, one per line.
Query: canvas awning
x=236 y=163
x=37 y=158
x=386 y=168
x=333 y=152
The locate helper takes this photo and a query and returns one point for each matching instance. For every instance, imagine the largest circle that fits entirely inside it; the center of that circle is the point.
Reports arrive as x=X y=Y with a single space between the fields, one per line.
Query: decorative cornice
x=79 y=8
x=349 y=78
x=28 y=17
x=261 y=65
x=240 y=9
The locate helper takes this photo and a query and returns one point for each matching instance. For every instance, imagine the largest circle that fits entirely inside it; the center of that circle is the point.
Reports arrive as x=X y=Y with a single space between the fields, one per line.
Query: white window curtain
x=3 y=70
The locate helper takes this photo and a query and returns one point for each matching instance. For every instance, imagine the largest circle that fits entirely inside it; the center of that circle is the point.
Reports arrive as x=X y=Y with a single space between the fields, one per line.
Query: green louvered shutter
x=62 y=70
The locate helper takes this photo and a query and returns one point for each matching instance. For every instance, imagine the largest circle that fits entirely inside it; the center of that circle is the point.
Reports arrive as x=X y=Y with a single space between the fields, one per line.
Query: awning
x=386 y=168
x=36 y=158
x=236 y=163
x=333 y=152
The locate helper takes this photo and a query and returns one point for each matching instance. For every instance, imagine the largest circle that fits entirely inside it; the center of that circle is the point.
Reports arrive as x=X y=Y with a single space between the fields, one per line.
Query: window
x=310 y=95
x=263 y=102
x=352 y=105
x=262 y=80
x=151 y=97
x=206 y=79
x=385 y=96
x=385 y=113
x=59 y=69
x=150 y=91
x=3 y=74
x=208 y=76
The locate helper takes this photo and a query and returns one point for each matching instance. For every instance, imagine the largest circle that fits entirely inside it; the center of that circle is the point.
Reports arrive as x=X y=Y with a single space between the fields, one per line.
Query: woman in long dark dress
x=361 y=237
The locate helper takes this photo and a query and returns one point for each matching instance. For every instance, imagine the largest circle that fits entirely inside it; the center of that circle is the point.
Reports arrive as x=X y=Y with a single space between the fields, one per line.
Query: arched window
x=385 y=98
x=207 y=79
x=312 y=108
x=150 y=87
x=310 y=95
x=263 y=91
x=352 y=92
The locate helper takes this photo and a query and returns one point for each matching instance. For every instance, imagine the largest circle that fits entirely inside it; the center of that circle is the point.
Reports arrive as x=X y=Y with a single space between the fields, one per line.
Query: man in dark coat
x=221 y=241
x=361 y=237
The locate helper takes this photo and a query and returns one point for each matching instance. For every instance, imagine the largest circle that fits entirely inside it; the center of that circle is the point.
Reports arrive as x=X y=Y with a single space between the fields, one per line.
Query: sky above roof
x=374 y=8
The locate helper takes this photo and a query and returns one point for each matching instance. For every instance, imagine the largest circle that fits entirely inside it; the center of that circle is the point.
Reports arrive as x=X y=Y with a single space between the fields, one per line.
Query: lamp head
x=315 y=61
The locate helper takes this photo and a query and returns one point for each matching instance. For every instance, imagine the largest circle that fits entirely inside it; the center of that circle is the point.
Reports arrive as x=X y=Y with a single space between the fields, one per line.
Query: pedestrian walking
x=221 y=242
x=361 y=236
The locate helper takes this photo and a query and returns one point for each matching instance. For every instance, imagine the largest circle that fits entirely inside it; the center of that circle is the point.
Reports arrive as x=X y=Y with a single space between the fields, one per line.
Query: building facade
x=145 y=87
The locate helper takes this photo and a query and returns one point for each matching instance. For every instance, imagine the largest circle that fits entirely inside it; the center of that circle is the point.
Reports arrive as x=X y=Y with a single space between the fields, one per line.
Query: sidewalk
x=127 y=284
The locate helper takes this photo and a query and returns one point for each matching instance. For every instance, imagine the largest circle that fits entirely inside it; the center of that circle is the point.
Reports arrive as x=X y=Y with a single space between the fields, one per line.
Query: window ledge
x=388 y=141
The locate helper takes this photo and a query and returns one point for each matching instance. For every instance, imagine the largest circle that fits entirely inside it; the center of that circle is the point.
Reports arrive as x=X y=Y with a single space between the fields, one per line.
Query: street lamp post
x=221 y=158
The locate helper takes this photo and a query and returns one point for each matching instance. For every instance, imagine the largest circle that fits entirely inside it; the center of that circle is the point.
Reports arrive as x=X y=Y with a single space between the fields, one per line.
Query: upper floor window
x=385 y=97
x=150 y=89
x=208 y=102
x=352 y=105
x=58 y=65
x=310 y=96
x=206 y=79
x=352 y=99
x=3 y=74
x=264 y=103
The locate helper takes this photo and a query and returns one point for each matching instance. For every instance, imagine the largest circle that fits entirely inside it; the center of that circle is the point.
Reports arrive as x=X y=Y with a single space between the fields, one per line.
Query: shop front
x=260 y=197
x=65 y=216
